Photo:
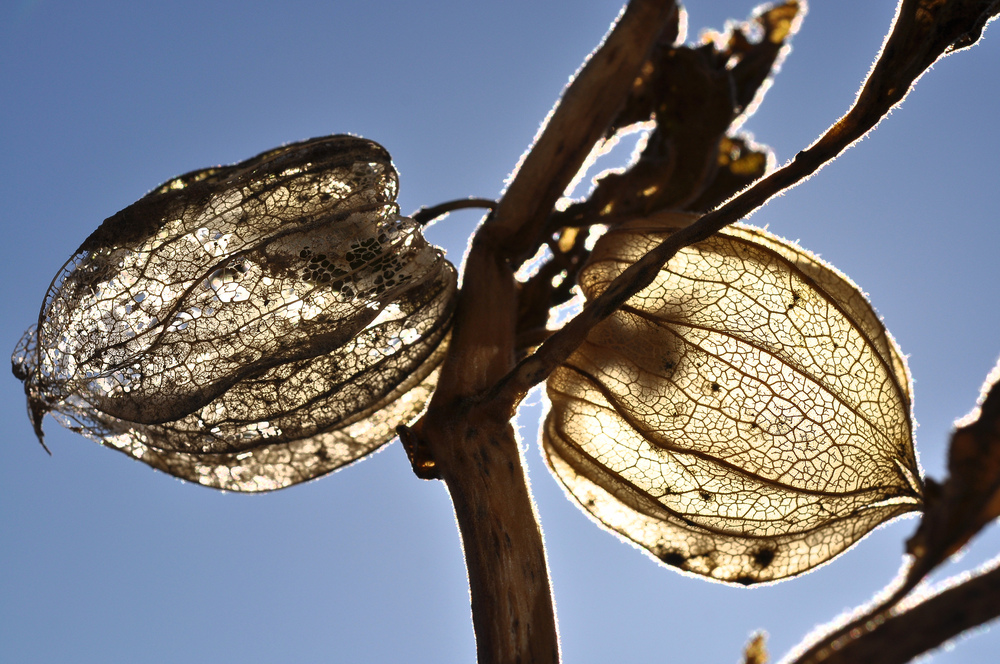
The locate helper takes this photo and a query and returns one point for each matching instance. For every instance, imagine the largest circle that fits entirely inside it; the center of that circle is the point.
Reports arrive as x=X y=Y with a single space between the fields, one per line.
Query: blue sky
x=104 y=560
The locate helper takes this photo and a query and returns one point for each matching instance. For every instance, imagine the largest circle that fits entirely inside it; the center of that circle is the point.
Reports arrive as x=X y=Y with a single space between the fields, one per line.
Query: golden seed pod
x=247 y=327
x=745 y=417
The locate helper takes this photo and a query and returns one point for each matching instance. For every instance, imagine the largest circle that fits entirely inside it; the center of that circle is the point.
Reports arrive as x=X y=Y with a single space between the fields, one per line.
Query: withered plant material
x=694 y=97
x=969 y=499
x=745 y=417
x=247 y=327
x=138 y=355
x=756 y=651
x=895 y=636
x=895 y=630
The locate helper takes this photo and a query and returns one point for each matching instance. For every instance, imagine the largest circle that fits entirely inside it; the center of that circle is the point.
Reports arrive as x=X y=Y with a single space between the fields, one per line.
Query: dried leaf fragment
x=745 y=417
x=969 y=499
x=247 y=327
x=694 y=98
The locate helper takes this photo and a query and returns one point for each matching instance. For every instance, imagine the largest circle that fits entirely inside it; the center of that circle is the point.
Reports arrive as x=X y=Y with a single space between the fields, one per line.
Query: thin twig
x=425 y=215
x=893 y=636
x=958 y=512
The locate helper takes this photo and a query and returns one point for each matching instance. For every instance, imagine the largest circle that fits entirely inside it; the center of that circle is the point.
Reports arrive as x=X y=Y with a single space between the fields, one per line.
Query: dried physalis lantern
x=745 y=417
x=247 y=327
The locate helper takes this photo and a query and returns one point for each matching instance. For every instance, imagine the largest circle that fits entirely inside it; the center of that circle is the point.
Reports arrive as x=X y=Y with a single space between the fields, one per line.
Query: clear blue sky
x=105 y=560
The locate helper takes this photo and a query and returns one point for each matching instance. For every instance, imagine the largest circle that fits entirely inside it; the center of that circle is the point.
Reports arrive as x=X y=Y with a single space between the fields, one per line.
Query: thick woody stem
x=584 y=113
x=467 y=435
x=512 y=610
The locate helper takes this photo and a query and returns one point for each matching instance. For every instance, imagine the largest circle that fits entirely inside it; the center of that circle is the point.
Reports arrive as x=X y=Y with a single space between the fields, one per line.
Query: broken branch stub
x=247 y=327
x=745 y=417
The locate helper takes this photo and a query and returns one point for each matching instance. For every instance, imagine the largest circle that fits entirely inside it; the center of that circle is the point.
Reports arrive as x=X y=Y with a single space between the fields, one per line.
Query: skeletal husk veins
x=745 y=417
x=248 y=327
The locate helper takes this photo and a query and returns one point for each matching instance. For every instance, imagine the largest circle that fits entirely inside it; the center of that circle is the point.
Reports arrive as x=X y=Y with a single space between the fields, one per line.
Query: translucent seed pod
x=247 y=327
x=746 y=417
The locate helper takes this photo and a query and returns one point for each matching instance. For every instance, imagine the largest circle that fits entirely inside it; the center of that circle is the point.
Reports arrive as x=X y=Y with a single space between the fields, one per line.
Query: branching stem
x=469 y=437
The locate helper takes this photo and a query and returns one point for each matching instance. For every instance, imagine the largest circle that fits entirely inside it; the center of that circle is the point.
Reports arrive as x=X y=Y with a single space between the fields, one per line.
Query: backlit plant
x=724 y=398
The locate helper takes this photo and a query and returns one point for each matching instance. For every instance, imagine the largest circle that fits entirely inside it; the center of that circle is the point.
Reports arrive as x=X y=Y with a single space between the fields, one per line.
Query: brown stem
x=425 y=215
x=891 y=636
x=472 y=448
x=512 y=610
x=468 y=438
x=586 y=110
